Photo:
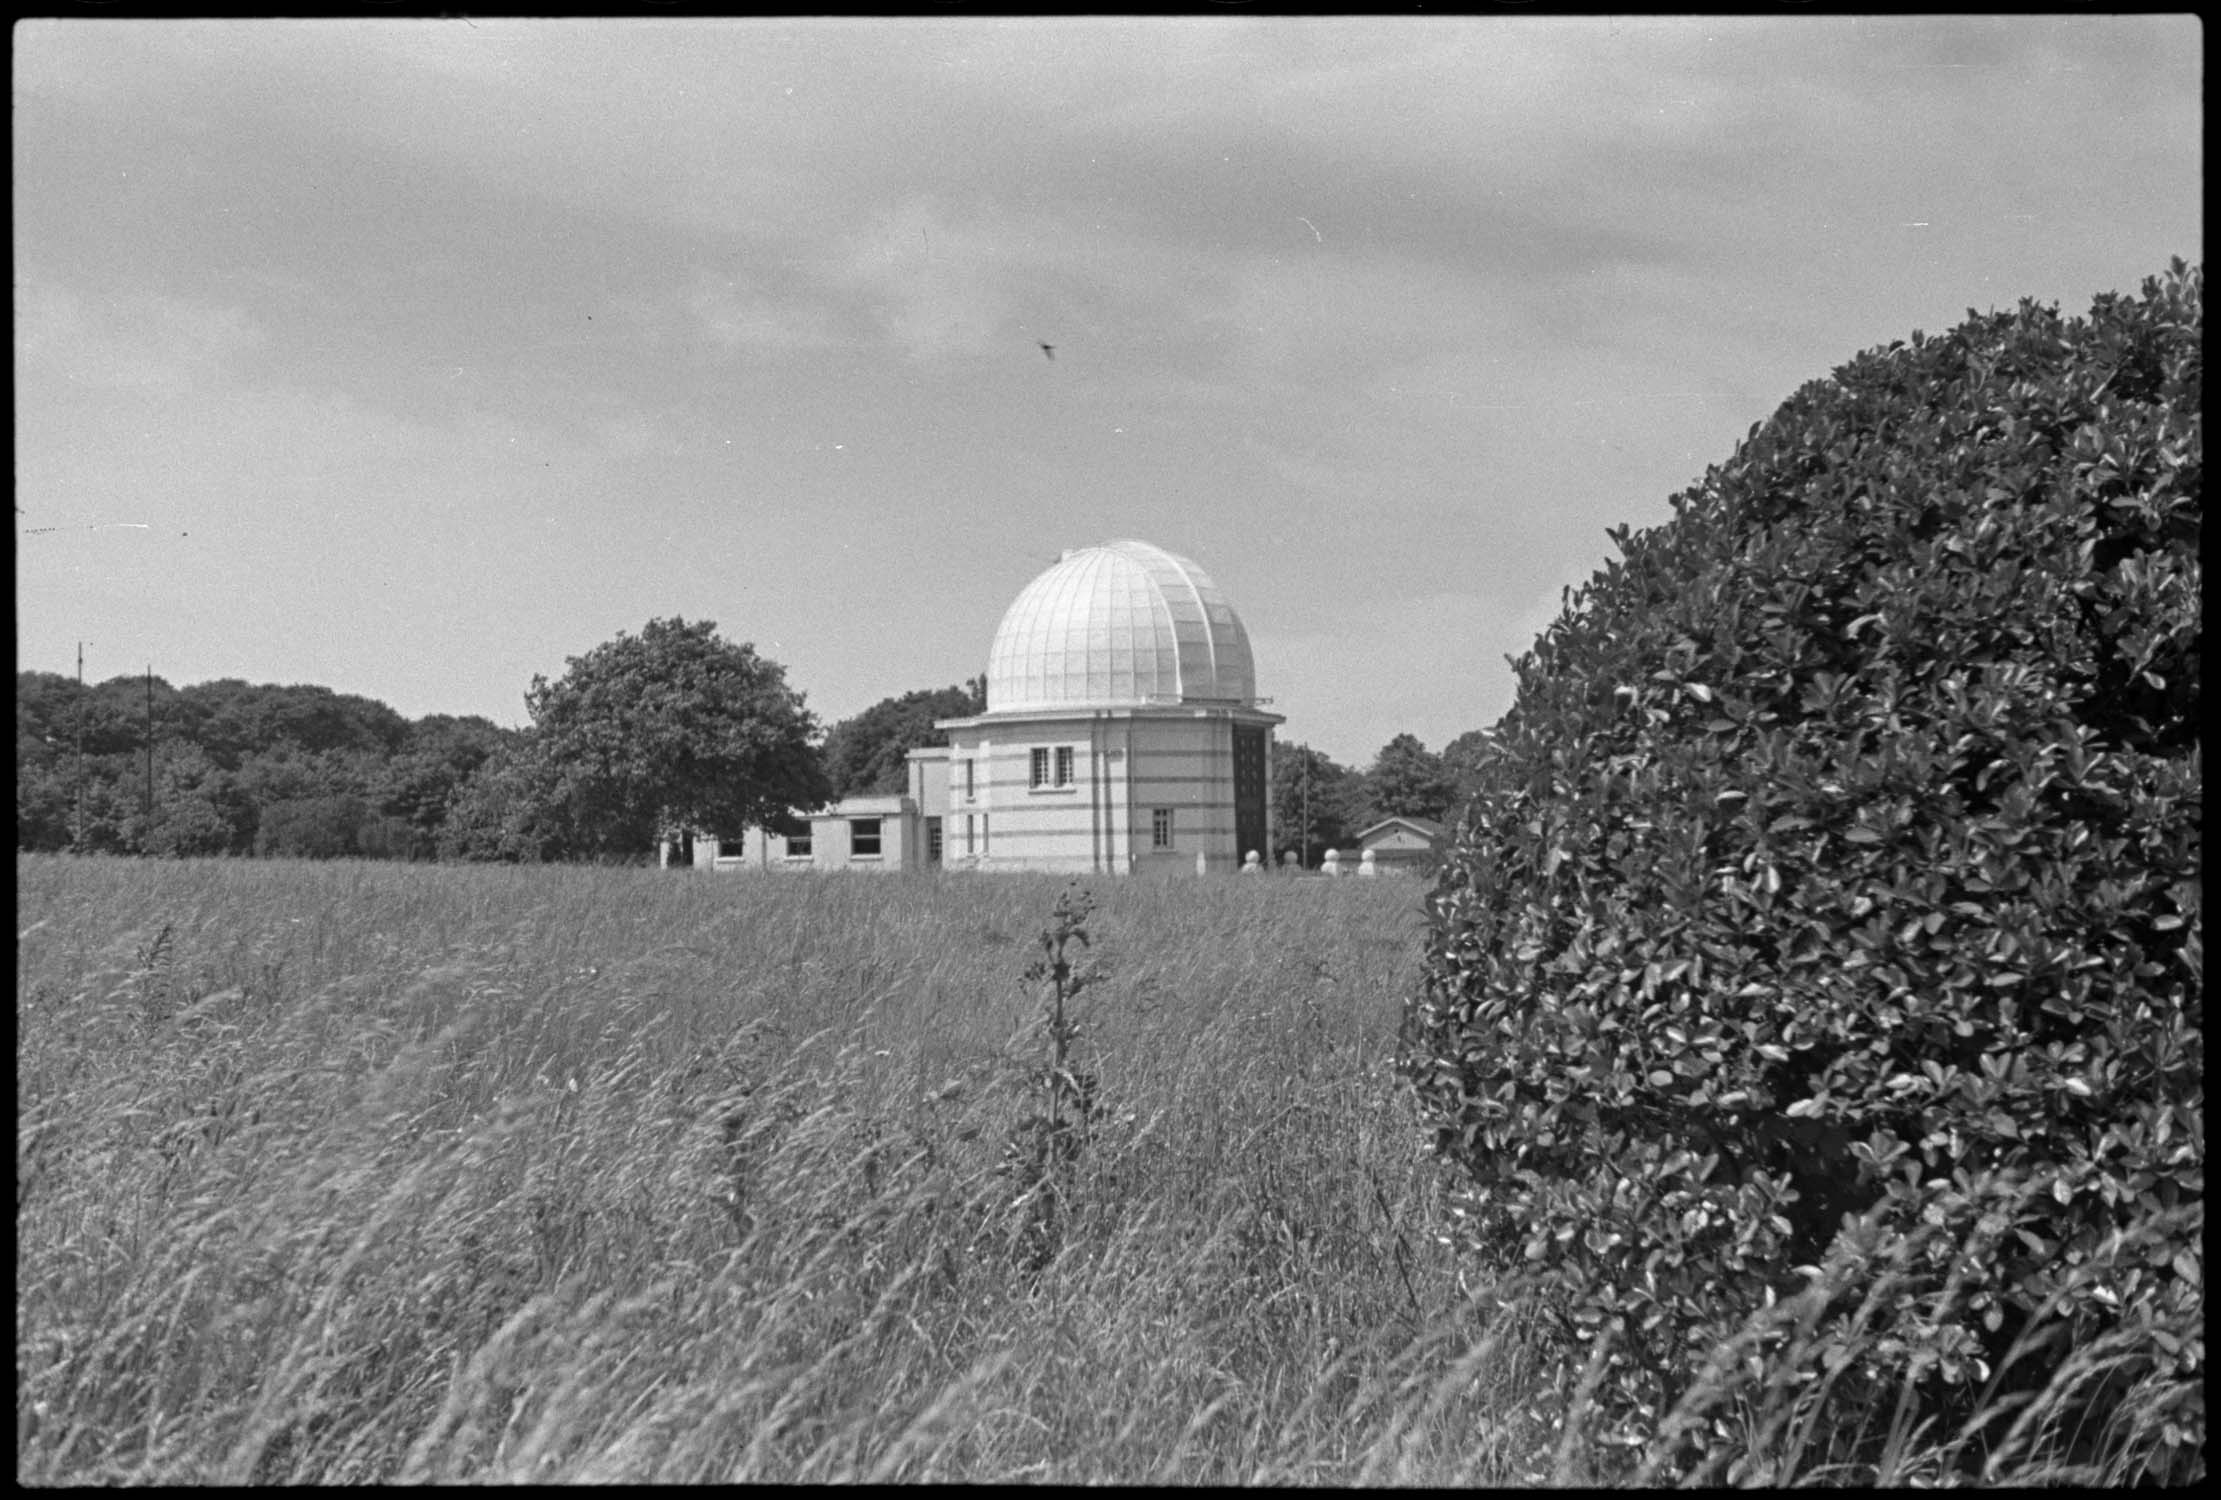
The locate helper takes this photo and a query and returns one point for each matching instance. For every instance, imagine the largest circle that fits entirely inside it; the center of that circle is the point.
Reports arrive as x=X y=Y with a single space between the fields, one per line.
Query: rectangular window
x=798 y=846
x=971 y=843
x=1064 y=765
x=983 y=833
x=932 y=841
x=1040 y=766
x=1160 y=828
x=971 y=790
x=863 y=837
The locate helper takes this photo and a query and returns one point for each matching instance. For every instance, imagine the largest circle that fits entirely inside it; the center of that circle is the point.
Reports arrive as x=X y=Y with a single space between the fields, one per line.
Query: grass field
x=361 y=1172
x=353 y=1172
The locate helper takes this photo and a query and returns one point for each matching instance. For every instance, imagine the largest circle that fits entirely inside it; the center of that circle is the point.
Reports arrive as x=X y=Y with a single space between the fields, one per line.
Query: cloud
x=745 y=320
x=140 y=340
x=947 y=282
x=286 y=519
x=939 y=287
x=1375 y=310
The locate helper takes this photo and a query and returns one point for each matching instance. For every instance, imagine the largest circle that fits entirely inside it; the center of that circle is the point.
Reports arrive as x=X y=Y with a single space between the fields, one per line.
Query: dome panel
x=1119 y=625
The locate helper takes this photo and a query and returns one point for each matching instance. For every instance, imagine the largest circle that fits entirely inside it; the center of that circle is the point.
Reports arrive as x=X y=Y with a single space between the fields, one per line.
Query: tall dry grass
x=358 y=1173
x=362 y=1172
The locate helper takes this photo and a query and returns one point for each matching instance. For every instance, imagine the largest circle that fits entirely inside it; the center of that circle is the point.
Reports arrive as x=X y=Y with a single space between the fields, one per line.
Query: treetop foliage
x=671 y=730
x=1407 y=781
x=1317 y=804
x=237 y=768
x=867 y=755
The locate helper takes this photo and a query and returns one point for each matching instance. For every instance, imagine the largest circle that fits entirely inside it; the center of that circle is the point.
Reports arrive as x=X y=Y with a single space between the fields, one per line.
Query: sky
x=415 y=358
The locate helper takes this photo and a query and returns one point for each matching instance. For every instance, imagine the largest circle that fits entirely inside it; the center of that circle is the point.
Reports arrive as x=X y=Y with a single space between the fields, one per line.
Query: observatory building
x=1121 y=736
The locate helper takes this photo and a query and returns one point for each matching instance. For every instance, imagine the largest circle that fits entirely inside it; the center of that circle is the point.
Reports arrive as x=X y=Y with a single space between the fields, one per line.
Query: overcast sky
x=414 y=358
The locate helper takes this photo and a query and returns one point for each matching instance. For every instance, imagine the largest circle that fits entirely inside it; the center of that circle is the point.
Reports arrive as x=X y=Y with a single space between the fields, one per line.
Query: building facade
x=1402 y=846
x=1122 y=735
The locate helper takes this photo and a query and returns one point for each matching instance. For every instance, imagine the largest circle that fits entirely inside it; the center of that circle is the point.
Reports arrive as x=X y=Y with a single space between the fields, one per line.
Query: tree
x=43 y=805
x=351 y=774
x=231 y=720
x=1316 y=803
x=866 y=755
x=43 y=778
x=312 y=827
x=440 y=755
x=113 y=802
x=1466 y=760
x=506 y=811
x=672 y=730
x=198 y=808
x=1406 y=781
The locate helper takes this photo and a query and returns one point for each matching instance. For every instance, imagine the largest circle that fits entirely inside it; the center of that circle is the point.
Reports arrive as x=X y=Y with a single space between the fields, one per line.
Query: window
x=971 y=790
x=1049 y=767
x=1160 y=828
x=983 y=833
x=863 y=837
x=798 y=846
x=971 y=841
x=932 y=841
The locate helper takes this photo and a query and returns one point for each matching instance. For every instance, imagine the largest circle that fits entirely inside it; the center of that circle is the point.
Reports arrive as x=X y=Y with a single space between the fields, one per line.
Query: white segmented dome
x=1121 y=625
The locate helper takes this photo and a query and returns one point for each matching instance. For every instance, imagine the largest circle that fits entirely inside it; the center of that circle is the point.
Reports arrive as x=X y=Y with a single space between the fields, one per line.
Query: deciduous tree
x=440 y=755
x=867 y=755
x=1406 y=781
x=676 y=728
x=1465 y=759
x=1315 y=801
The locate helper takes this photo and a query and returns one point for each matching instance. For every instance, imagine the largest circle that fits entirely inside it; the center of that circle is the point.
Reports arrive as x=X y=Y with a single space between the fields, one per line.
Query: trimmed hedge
x=1841 y=857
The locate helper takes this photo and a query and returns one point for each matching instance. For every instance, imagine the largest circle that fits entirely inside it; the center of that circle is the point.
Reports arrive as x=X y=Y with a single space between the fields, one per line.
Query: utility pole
x=77 y=776
x=146 y=818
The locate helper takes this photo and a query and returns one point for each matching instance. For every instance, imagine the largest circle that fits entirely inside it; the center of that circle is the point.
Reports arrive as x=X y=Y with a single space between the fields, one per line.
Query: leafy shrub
x=1840 y=856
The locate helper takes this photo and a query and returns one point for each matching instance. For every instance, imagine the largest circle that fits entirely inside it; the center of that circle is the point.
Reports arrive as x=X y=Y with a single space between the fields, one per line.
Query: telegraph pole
x=77 y=777
x=146 y=819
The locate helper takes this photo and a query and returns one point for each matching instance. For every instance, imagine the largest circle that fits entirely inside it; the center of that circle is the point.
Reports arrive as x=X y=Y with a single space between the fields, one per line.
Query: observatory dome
x=1122 y=625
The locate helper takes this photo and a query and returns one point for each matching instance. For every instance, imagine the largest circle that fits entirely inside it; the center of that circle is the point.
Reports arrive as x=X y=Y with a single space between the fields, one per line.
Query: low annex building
x=1401 y=845
x=1122 y=735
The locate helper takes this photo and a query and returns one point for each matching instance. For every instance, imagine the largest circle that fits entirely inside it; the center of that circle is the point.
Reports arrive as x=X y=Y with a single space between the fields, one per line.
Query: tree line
x=645 y=737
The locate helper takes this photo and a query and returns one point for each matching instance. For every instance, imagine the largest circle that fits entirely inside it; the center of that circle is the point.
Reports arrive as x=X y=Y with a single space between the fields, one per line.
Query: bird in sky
x=1051 y=351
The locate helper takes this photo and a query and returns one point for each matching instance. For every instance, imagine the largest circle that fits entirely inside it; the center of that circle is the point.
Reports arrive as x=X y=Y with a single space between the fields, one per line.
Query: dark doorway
x=1249 y=791
x=932 y=842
